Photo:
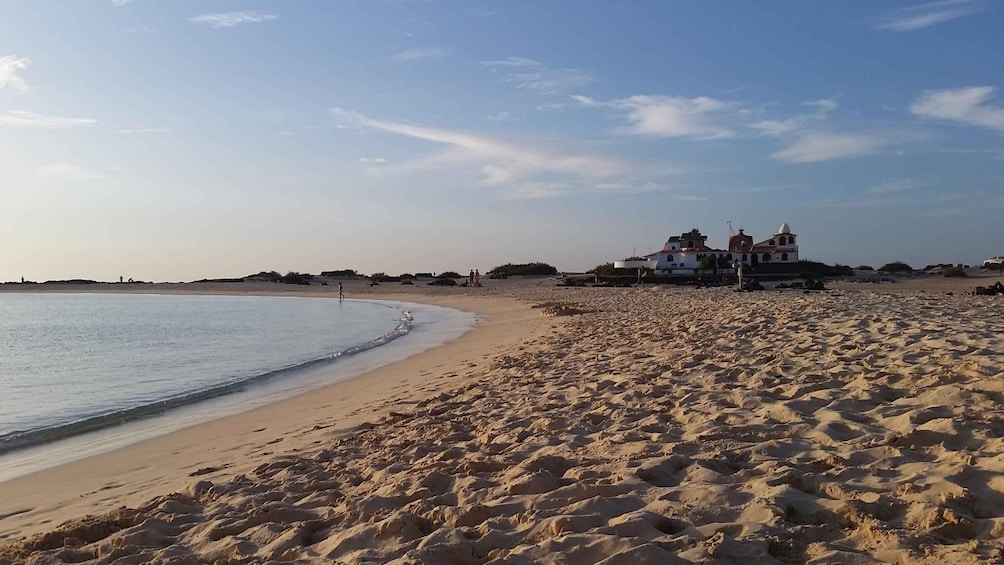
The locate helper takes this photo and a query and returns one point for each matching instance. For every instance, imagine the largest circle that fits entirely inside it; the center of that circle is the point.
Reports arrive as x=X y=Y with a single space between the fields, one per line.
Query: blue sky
x=198 y=138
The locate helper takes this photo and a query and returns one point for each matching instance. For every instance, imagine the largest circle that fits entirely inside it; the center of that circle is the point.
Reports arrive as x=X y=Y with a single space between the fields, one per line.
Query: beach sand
x=652 y=425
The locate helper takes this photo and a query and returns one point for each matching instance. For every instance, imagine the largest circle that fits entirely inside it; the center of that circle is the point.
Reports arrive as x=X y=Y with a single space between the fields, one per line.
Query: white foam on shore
x=432 y=326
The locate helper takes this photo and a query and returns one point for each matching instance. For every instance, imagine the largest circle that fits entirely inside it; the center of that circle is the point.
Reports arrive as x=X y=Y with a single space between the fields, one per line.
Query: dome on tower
x=784 y=228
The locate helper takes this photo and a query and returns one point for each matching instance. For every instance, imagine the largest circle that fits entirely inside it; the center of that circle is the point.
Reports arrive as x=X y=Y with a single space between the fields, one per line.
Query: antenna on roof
x=731 y=232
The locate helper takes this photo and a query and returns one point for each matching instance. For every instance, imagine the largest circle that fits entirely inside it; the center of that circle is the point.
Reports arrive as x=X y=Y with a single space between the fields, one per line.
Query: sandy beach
x=584 y=425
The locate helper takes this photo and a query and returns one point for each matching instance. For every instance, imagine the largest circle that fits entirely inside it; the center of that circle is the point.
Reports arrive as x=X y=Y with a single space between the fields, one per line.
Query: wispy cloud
x=232 y=19
x=14 y=118
x=815 y=147
x=776 y=128
x=418 y=53
x=894 y=186
x=69 y=172
x=10 y=68
x=372 y=160
x=529 y=74
x=671 y=116
x=927 y=15
x=966 y=105
x=501 y=117
x=518 y=169
x=118 y=3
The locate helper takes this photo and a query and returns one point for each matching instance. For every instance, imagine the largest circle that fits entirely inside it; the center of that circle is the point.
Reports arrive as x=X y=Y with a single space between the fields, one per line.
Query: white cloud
x=501 y=117
x=10 y=67
x=815 y=147
x=14 y=118
x=893 y=186
x=118 y=3
x=528 y=74
x=776 y=128
x=964 y=105
x=232 y=19
x=69 y=172
x=372 y=160
x=418 y=53
x=517 y=168
x=926 y=15
x=673 y=116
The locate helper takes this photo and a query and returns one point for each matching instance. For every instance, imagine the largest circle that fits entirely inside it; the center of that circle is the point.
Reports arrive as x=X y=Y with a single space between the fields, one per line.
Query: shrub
x=449 y=275
x=524 y=269
x=340 y=273
x=896 y=267
x=293 y=277
x=423 y=275
x=269 y=276
x=865 y=268
x=816 y=269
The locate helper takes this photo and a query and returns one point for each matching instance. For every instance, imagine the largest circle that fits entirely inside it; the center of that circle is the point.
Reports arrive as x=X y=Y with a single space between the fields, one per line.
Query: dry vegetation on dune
x=650 y=426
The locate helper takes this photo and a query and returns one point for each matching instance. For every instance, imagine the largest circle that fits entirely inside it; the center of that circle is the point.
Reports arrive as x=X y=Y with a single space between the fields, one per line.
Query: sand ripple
x=653 y=426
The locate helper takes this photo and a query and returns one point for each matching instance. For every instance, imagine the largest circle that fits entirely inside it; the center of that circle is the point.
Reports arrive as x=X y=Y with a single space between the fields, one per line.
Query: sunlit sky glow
x=182 y=139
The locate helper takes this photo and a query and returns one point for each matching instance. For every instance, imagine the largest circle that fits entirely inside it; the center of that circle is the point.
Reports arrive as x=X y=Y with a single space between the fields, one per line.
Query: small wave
x=16 y=440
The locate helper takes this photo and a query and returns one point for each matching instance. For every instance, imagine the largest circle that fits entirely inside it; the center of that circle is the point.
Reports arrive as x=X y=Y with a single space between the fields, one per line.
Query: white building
x=684 y=253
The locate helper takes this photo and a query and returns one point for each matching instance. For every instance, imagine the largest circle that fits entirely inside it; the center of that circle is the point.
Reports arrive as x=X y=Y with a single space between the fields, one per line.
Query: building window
x=791 y=239
x=766 y=257
x=744 y=257
x=690 y=244
x=669 y=258
x=729 y=257
x=784 y=256
x=772 y=242
x=673 y=248
x=781 y=240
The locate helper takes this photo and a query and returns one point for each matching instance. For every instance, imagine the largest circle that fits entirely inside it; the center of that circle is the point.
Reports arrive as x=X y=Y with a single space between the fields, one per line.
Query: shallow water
x=71 y=363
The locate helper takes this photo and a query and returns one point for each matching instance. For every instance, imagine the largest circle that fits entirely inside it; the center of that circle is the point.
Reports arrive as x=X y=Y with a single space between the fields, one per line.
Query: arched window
x=669 y=258
x=766 y=257
x=673 y=248
x=784 y=256
x=728 y=257
x=772 y=242
x=690 y=243
x=781 y=240
x=744 y=257
x=791 y=239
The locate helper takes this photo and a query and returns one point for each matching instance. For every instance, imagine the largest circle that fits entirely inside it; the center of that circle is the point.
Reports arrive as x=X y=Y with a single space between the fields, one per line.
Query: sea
x=86 y=373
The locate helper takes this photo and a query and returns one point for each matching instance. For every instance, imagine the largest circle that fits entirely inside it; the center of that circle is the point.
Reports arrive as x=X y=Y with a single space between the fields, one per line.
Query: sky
x=186 y=139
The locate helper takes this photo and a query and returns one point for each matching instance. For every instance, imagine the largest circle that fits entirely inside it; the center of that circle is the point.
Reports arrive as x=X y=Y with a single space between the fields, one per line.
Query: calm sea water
x=73 y=363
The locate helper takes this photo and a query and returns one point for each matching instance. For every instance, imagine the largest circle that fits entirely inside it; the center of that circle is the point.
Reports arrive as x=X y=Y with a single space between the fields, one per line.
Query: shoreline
x=233 y=444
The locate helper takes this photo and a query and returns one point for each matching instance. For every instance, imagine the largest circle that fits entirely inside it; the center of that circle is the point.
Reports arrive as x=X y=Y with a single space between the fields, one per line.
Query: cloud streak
x=518 y=169
x=14 y=118
x=418 y=53
x=10 y=68
x=927 y=15
x=816 y=147
x=532 y=75
x=965 y=105
x=231 y=19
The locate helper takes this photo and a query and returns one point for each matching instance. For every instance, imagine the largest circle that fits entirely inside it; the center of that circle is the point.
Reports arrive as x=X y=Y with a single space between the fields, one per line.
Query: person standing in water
x=341 y=295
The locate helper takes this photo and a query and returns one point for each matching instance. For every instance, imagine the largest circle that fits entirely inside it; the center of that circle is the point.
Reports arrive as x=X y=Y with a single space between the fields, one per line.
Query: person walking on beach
x=341 y=295
x=470 y=278
x=477 y=278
